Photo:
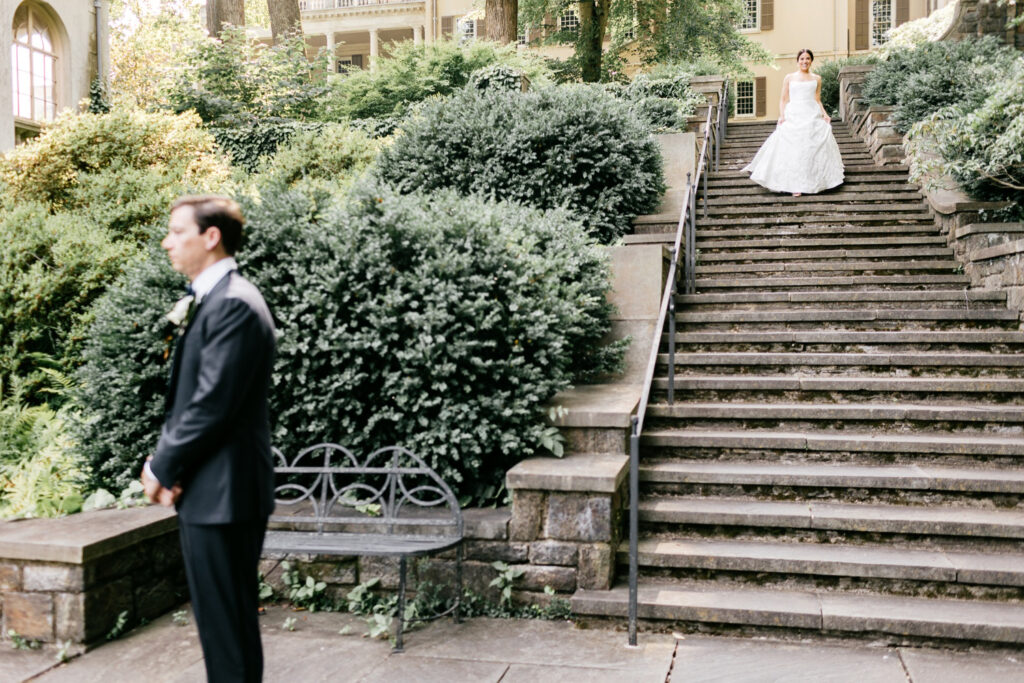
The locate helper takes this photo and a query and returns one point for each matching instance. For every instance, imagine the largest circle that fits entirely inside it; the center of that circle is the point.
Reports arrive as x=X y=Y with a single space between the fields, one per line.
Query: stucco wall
x=74 y=24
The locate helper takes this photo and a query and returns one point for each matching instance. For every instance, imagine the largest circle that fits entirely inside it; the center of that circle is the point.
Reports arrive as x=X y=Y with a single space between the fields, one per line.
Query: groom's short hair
x=214 y=210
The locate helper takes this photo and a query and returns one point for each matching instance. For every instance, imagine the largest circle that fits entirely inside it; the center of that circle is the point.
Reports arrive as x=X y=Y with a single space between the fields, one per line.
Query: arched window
x=33 y=62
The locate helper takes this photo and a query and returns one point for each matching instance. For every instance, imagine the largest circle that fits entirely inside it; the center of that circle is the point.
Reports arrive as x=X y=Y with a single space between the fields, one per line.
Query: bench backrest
x=392 y=491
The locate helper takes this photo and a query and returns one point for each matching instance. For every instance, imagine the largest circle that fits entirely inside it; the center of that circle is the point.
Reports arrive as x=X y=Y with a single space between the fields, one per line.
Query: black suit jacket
x=216 y=436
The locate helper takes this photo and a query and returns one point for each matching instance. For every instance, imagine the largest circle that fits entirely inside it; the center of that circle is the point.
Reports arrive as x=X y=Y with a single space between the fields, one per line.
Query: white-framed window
x=569 y=20
x=751 y=20
x=882 y=21
x=744 y=98
x=523 y=37
x=467 y=29
x=344 y=65
x=33 y=66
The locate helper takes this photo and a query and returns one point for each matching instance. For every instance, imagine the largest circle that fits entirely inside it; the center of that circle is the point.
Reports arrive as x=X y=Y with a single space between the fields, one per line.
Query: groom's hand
x=150 y=485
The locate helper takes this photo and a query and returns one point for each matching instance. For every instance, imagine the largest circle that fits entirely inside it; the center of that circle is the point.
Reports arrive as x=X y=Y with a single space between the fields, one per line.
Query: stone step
x=889 y=252
x=840 y=360
x=957 y=296
x=847 y=315
x=916 y=477
x=831 y=612
x=807 y=231
x=760 y=271
x=778 y=201
x=876 y=181
x=850 y=171
x=819 y=219
x=888 y=519
x=840 y=384
x=922 y=337
x=820 y=559
x=844 y=441
x=784 y=212
x=836 y=281
x=918 y=240
x=854 y=190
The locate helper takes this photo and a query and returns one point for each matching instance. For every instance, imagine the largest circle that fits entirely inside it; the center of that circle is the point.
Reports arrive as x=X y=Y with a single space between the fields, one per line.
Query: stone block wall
x=987 y=18
x=993 y=257
x=70 y=579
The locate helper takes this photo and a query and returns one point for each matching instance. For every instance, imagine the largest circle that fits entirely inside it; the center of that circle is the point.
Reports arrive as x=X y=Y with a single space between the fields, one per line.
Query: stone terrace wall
x=69 y=579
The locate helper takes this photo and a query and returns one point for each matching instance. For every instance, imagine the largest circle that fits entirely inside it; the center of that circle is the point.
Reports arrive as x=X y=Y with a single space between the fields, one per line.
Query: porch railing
x=683 y=247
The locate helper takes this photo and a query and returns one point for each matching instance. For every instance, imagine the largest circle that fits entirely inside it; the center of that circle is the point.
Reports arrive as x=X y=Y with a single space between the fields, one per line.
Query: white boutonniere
x=179 y=314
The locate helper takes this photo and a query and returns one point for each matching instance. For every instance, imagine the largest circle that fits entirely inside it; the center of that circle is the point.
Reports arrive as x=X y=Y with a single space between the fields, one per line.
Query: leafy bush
x=983 y=148
x=573 y=146
x=922 y=80
x=497 y=76
x=829 y=72
x=235 y=80
x=663 y=103
x=412 y=73
x=51 y=269
x=920 y=31
x=331 y=154
x=438 y=322
x=117 y=170
x=251 y=144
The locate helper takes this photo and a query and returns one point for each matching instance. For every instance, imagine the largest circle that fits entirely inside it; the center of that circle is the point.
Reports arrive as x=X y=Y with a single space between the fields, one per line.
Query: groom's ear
x=212 y=238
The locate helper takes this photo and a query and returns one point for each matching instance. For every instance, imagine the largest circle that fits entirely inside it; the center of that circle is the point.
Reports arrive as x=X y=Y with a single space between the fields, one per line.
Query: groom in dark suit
x=213 y=460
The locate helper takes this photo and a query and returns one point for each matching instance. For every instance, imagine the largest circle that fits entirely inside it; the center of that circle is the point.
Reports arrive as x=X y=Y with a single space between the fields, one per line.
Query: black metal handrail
x=685 y=243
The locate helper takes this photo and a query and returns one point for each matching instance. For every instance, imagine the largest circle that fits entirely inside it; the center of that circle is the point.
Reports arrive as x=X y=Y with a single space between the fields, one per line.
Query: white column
x=374 y=48
x=430 y=9
x=417 y=35
x=331 y=52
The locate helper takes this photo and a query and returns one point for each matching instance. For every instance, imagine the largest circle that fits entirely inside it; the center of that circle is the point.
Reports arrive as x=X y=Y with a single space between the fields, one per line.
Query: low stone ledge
x=71 y=578
x=1003 y=231
x=599 y=473
x=1005 y=249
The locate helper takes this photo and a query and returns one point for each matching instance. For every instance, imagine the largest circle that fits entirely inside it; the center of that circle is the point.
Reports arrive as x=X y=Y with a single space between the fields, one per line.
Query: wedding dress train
x=801 y=155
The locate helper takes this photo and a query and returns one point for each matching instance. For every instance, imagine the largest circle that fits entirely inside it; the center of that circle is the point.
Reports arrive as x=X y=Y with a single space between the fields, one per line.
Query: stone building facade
x=49 y=54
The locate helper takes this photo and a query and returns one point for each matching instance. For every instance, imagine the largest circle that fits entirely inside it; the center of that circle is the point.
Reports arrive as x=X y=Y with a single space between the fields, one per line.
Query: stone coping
x=598 y=405
x=987 y=228
x=598 y=473
x=651 y=218
x=998 y=250
x=83 y=537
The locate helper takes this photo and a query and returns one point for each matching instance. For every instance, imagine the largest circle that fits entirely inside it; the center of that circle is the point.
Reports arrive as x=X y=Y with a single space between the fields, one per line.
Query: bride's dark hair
x=808 y=52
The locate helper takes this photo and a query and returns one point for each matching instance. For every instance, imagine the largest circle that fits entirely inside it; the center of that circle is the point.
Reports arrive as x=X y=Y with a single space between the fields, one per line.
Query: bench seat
x=355 y=544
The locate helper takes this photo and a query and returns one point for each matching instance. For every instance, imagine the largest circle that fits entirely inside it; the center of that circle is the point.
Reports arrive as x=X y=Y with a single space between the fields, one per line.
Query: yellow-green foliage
x=334 y=154
x=118 y=169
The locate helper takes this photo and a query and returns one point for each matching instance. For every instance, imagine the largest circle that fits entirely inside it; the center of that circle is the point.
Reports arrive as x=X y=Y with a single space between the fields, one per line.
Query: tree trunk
x=284 y=17
x=589 y=45
x=220 y=12
x=502 y=20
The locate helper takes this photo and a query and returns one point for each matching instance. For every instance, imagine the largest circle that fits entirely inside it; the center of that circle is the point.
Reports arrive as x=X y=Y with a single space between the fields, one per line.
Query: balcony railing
x=307 y=5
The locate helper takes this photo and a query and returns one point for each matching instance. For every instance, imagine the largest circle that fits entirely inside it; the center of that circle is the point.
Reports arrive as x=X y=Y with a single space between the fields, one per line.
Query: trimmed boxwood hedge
x=576 y=147
x=439 y=322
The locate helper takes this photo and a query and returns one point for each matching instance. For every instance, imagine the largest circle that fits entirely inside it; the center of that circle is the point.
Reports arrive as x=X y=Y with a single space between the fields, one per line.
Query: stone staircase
x=843 y=454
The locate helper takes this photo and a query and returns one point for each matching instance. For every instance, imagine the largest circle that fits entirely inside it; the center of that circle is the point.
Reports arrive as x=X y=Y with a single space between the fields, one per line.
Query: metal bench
x=392 y=504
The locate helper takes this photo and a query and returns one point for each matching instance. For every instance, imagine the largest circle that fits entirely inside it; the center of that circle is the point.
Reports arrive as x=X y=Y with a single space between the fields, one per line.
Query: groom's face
x=186 y=246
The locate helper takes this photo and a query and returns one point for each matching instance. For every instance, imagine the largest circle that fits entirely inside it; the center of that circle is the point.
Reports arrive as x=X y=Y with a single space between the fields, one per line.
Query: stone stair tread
x=846 y=315
x=841 y=383
x=959 y=412
x=795 y=231
x=886 y=252
x=854 y=169
x=829 y=475
x=841 y=243
x=835 y=559
x=846 y=441
x=815 y=610
x=843 y=336
x=837 y=281
x=854 y=189
x=801 y=266
x=974 y=359
x=864 y=517
x=836 y=217
x=957 y=295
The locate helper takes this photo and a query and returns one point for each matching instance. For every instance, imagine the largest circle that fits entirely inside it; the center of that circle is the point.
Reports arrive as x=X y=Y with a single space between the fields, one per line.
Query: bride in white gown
x=801 y=155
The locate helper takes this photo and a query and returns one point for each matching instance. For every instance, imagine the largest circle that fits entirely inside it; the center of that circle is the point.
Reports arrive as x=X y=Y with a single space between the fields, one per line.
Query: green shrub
x=52 y=267
x=332 y=154
x=569 y=146
x=924 y=79
x=117 y=170
x=497 y=76
x=250 y=144
x=438 y=322
x=981 y=148
x=663 y=103
x=829 y=72
x=412 y=73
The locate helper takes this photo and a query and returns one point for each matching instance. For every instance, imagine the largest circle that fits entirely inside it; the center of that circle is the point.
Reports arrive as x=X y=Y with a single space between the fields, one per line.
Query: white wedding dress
x=801 y=155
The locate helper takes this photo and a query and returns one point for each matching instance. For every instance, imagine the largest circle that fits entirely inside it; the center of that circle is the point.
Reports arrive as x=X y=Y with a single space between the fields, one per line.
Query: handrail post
x=691 y=246
x=672 y=345
x=634 y=524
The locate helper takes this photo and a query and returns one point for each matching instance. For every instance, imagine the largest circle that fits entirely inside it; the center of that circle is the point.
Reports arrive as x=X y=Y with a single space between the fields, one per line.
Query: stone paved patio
x=484 y=650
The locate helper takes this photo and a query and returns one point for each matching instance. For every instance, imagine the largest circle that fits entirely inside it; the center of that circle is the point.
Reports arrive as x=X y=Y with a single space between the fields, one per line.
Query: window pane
x=881 y=21
x=749 y=20
x=745 y=98
x=569 y=21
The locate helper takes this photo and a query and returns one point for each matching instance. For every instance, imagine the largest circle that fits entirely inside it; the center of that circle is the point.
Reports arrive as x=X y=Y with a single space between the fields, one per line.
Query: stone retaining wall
x=69 y=579
x=993 y=257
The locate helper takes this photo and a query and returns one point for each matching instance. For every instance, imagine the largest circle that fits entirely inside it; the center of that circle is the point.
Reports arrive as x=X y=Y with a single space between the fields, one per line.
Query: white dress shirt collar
x=209 y=278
